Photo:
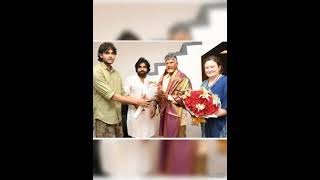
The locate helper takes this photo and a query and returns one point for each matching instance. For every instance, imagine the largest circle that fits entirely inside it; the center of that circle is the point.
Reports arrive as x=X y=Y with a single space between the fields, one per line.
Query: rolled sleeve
x=101 y=85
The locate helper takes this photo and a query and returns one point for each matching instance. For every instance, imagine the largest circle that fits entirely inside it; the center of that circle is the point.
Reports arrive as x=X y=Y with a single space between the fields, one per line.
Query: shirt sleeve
x=102 y=85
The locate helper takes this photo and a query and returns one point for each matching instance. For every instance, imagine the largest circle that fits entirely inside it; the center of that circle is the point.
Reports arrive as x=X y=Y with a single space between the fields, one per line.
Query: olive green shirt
x=106 y=83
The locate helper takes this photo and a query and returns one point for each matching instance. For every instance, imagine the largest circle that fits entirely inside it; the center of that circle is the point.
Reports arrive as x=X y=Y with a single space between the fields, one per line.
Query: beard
x=142 y=73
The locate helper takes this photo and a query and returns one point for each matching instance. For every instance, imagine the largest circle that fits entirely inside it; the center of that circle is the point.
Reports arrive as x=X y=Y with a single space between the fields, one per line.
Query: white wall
x=147 y=20
x=216 y=30
x=150 y=20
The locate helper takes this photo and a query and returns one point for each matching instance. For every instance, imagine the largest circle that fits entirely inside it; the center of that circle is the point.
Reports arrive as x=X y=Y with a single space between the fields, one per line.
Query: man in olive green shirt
x=108 y=94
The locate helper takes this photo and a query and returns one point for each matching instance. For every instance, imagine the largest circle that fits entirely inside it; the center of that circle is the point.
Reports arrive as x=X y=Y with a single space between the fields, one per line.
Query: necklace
x=214 y=81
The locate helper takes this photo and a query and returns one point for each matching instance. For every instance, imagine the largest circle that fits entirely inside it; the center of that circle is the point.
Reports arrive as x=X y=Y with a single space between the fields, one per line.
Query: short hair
x=104 y=47
x=142 y=60
x=179 y=27
x=128 y=35
x=170 y=56
x=215 y=59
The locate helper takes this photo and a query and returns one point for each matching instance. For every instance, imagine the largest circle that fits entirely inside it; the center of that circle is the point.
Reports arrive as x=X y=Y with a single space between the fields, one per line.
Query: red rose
x=206 y=99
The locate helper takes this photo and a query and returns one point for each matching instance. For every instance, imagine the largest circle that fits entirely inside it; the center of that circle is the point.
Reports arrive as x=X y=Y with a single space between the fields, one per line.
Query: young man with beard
x=108 y=94
x=140 y=125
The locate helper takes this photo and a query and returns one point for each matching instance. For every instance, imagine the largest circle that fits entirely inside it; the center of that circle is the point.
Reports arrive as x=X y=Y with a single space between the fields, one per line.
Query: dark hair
x=171 y=56
x=179 y=27
x=142 y=60
x=128 y=35
x=104 y=47
x=215 y=59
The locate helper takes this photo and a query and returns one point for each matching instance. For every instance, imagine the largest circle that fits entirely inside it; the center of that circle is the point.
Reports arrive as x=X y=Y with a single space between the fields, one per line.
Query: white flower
x=205 y=95
x=215 y=100
x=200 y=107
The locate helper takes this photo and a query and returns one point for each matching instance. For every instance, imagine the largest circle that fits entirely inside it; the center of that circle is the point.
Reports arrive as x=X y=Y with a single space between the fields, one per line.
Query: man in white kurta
x=139 y=85
x=123 y=158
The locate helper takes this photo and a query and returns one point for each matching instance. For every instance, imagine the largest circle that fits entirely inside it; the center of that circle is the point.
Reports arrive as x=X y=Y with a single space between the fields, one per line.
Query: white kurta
x=129 y=158
x=142 y=126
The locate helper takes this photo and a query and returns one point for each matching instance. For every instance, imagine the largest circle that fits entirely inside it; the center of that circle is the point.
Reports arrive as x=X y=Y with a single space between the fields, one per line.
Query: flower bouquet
x=201 y=104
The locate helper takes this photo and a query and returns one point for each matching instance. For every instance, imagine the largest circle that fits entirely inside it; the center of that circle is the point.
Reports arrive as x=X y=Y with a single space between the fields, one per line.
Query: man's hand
x=143 y=102
x=162 y=95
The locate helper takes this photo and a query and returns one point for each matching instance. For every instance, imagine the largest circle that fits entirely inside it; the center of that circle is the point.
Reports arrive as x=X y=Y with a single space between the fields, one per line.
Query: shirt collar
x=106 y=67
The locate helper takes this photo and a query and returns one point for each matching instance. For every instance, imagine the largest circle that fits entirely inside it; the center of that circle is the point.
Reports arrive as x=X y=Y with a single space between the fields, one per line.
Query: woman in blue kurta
x=217 y=84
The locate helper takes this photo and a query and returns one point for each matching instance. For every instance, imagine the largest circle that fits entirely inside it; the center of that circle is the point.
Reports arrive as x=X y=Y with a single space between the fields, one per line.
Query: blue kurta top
x=214 y=127
x=219 y=88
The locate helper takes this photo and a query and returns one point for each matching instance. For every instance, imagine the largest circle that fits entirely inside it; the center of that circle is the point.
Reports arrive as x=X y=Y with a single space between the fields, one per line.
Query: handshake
x=148 y=101
x=149 y=98
x=148 y=104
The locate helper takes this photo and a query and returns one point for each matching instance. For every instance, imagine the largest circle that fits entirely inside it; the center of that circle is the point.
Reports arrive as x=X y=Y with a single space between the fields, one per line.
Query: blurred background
x=160 y=158
x=160 y=20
